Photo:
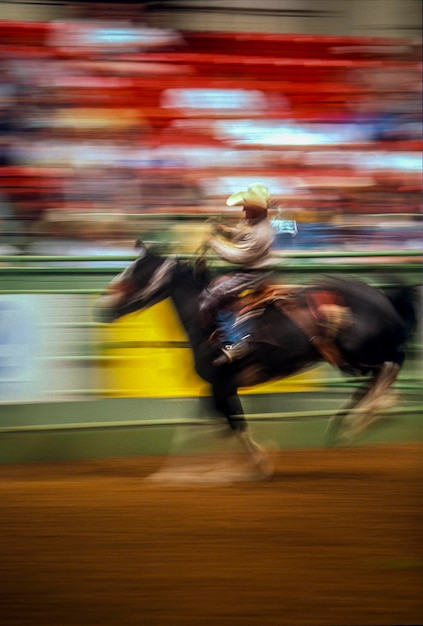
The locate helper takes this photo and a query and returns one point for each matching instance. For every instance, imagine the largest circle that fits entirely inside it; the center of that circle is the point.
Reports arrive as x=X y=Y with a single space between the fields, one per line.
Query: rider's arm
x=226 y=231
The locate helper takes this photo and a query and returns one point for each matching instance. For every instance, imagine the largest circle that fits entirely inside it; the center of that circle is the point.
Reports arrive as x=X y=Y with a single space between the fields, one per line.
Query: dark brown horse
x=372 y=345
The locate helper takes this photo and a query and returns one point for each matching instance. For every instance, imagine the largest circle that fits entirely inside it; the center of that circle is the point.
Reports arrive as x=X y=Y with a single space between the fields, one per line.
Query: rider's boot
x=234 y=351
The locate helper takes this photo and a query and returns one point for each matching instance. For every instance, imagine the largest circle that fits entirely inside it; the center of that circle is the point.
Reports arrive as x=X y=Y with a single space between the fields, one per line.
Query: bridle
x=126 y=283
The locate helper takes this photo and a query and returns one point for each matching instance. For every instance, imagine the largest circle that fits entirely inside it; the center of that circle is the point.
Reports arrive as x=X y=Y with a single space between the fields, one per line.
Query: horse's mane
x=196 y=272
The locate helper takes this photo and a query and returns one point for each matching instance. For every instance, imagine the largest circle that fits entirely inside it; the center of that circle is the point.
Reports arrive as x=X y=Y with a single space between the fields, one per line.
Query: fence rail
x=80 y=350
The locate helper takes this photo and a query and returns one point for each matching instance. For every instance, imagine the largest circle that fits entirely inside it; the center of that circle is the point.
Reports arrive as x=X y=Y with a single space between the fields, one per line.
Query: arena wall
x=72 y=388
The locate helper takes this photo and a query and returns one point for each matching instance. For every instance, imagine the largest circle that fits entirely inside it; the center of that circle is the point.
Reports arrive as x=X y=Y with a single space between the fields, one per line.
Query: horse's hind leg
x=365 y=406
x=380 y=396
x=336 y=424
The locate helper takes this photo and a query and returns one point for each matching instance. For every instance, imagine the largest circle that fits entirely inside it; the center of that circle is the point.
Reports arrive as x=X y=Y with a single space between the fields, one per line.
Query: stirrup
x=233 y=351
x=223 y=358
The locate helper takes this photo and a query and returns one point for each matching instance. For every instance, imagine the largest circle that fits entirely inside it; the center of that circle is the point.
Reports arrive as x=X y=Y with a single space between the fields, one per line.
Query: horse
x=372 y=345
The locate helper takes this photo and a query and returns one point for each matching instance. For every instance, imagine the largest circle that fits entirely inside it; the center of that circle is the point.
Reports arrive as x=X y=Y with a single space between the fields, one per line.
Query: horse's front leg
x=227 y=402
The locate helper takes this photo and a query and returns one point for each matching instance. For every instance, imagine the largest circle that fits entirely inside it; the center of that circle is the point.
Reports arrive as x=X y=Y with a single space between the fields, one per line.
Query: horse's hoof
x=263 y=466
x=333 y=435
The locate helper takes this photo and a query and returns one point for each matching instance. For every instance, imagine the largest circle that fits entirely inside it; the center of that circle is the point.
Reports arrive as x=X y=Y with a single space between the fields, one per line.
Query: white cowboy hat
x=257 y=195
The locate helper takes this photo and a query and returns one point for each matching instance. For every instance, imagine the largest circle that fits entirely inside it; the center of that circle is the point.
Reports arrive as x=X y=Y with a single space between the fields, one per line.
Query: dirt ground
x=335 y=537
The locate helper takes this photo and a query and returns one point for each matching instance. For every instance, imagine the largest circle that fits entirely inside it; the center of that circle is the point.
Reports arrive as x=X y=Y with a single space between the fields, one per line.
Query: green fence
x=59 y=408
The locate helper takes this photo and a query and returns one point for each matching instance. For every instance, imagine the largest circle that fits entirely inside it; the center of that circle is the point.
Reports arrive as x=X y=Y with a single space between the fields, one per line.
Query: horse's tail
x=406 y=301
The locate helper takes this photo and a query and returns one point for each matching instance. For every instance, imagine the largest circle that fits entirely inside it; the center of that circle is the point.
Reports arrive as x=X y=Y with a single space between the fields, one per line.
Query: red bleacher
x=319 y=79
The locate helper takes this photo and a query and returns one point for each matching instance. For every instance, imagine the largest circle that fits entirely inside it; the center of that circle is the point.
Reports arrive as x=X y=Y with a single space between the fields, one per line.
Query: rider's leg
x=216 y=302
x=236 y=337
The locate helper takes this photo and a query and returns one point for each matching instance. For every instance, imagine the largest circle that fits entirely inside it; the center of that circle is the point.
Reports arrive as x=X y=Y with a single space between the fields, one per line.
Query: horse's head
x=143 y=283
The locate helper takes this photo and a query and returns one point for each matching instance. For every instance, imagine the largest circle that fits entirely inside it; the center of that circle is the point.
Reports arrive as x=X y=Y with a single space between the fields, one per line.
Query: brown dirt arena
x=333 y=539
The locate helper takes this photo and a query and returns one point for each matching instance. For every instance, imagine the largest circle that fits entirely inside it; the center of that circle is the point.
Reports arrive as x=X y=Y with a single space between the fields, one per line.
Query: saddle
x=320 y=313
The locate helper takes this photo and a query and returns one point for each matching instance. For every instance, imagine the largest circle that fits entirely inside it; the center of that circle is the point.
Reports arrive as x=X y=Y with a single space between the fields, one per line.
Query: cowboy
x=247 y=245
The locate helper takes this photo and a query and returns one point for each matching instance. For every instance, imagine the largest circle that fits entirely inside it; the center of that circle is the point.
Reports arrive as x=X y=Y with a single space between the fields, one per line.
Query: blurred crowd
x=111 y=127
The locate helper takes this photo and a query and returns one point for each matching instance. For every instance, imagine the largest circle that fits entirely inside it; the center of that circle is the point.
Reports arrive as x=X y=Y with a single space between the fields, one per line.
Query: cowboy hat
x=257 y=196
